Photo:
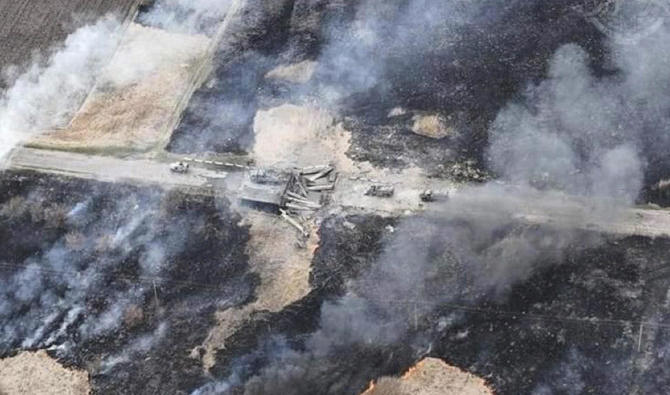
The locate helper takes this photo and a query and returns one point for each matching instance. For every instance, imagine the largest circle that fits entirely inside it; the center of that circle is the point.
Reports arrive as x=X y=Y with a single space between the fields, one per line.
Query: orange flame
x=412 y=370
x=370 y=389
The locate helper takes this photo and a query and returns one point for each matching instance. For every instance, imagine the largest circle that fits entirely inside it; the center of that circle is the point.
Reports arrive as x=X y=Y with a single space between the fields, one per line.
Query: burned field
x=588 y=321
x=120 y=281
x=334 y=191
x=79 y=277
x=464 y=73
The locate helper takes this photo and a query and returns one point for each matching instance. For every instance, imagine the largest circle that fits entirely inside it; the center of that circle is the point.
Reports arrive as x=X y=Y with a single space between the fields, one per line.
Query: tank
x=380 y=190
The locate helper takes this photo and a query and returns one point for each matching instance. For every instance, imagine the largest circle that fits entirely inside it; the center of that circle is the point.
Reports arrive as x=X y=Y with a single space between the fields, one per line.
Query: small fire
x=370 y=389
x=411 y=371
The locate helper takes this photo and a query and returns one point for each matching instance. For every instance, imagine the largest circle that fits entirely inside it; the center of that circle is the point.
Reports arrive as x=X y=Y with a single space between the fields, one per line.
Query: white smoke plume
x=45 y=96
x=187 y=16
x=359 y=53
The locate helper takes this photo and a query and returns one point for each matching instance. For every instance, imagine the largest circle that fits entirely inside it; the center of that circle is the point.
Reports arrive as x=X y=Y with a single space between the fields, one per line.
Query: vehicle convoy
x=179 y=167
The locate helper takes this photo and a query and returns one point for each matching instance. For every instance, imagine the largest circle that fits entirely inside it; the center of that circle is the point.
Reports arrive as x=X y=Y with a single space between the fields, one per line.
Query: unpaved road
x=490 y=204
x=110 y=169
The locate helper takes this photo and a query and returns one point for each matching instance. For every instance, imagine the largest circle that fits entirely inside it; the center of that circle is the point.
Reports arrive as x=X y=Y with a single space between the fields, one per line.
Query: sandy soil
x=37 y=373
x=301 y=136
x=297 y=73
x=137 y=100
x=432 y=125
x=431 y=376
x=283 y=270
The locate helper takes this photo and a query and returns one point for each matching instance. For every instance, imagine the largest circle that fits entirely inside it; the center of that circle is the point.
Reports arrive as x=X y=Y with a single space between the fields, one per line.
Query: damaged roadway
x=560 y=210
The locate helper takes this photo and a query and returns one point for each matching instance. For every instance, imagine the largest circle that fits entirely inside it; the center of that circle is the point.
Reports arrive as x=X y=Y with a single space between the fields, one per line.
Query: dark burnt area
x=219 y=117
x=522 y=344
x=208 y=267
x=344 y=253
x=538 y=334
x=486 y=66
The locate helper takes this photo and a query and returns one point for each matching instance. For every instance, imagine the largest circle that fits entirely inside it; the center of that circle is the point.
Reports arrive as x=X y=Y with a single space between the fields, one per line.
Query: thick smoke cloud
x=380 y=37
x=578 y=132
x=45 y=96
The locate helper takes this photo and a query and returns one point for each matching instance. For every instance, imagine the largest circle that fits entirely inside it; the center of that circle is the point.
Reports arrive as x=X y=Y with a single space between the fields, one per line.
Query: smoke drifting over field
x=186 y=16
x=46 y=96
x=110 y=257
x=578 y=132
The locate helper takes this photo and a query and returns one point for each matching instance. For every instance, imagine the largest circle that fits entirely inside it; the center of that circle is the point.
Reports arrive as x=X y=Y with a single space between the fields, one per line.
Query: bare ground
x=136 y=102
x=37 y=373
x=283 y=270
x=431 y=376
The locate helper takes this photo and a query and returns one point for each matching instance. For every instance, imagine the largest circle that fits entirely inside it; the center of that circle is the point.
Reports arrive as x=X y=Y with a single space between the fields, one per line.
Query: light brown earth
x=297 y=73
x=291 y=135
x=431 y=376
x=432 y=125
x=30 y=373
x=283 y=269
x=137 y=101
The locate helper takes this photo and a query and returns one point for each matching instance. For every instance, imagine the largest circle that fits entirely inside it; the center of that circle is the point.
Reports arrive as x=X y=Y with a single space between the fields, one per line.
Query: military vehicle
x=179 y=167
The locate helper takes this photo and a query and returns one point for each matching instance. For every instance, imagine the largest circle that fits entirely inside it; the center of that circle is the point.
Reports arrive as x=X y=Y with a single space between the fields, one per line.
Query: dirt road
x=490 y=203
x=110 y=169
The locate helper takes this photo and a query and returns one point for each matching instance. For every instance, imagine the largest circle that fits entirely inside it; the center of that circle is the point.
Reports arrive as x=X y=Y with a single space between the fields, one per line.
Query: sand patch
x=431 y=376
x=138 y=98
x=38 y=373
x=432 y=125
x=291 y=135
x=284 y=276
x=300 y=136
x=297 y=73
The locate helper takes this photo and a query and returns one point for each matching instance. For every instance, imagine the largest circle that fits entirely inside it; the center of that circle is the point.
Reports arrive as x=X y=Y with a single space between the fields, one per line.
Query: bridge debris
x=297 y=191
x=293 y=222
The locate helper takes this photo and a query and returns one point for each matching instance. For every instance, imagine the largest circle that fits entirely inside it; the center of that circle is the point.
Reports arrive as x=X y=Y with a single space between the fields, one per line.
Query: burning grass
x=116 y=275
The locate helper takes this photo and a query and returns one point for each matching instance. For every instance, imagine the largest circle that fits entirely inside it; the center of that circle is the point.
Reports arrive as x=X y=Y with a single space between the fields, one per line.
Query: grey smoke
x=137 y=347
x=359 y=53
x=45 y=96
x=574 y=134
x=187 y=16
x=47 y=299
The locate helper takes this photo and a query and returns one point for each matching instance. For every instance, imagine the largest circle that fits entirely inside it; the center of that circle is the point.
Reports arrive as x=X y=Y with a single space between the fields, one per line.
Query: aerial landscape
x=378 y=197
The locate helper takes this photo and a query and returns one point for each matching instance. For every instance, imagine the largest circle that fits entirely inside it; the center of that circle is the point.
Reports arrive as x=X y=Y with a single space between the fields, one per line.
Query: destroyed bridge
x=299 y=193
